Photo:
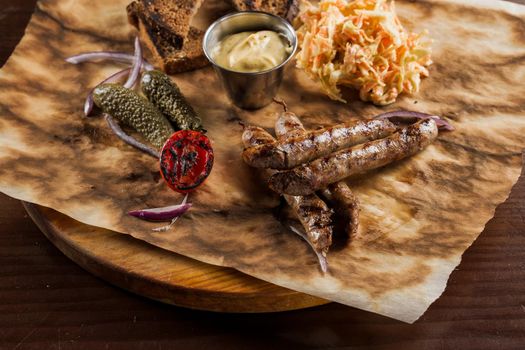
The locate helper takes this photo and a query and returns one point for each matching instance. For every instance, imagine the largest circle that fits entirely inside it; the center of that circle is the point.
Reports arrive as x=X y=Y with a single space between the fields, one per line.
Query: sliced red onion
x=440 y=122
x=170 y=225
x=106 y=55
x=129 y=139
x=161 y=214
x=323 y=263
x=135 y=68
x=88 y=105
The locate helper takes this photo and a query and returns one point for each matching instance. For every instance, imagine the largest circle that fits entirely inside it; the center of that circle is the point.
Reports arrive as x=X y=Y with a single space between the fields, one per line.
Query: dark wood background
x=48 y=302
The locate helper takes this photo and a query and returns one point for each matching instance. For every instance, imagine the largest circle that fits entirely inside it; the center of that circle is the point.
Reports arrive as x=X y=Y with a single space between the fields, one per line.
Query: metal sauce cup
x=255 y=89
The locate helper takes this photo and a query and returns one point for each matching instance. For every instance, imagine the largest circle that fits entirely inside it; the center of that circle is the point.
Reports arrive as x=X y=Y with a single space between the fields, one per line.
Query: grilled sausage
x=312 y=211
x=346 y=205
x=308 y=178
x=338 y=194
x=290 y=152
x=256 y=136
x=288 y=126
x=316 y=218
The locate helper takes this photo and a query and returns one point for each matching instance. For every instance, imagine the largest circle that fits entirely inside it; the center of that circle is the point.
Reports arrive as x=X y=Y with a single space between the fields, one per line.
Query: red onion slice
x=440 y=122
x=323 y=263
x=129 y=139
x=94 y=56
x=161 y=214
x=170 y=225
x=135 y=68
x=88 y=105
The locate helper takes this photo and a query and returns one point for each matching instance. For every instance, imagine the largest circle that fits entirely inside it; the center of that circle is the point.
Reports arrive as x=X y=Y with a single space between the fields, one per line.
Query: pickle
x=135 y=111
x=167 y=97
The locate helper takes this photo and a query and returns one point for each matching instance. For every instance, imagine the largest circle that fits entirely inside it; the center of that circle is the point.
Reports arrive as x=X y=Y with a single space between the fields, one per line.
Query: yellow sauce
x=252 y=51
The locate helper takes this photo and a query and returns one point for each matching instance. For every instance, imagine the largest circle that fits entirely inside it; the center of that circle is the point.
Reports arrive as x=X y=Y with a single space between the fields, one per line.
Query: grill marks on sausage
x=339 y=195
x=312 y=211
x=291 y=152
x=256 y=136
x=316 y=218
x=320 y=173
x=313 y=214
x=288 y=126
x=299 y=184
x=346 y=205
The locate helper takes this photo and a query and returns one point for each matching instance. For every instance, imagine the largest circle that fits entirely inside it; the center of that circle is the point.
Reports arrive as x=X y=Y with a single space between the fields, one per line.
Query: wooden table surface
x=48 y=302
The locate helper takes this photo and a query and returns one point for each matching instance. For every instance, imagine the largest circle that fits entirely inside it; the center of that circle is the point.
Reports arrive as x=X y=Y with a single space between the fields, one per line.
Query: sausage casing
x=288 y=126
x=290 y=152
x=338 y=194
x=256 y=136
x=316 y=218
x=316 y=175
x=312 y=211
x=346 y=205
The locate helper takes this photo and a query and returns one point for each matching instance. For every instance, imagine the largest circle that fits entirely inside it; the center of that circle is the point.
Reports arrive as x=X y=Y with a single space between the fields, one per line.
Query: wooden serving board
x=161 y=275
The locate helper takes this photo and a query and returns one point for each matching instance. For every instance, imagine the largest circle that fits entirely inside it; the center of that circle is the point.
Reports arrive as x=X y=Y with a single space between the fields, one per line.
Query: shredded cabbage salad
x=361 y=44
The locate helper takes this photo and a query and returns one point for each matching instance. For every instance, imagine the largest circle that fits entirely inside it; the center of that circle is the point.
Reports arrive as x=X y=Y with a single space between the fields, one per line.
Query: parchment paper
x=418 y=216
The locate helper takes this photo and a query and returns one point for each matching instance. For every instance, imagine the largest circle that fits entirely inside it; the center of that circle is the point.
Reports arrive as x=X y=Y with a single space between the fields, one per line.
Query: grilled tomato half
x=186 y=160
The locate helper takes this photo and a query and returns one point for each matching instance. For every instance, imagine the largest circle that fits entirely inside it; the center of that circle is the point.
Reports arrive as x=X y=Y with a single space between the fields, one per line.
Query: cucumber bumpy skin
x=167 y=97
x=135 y=111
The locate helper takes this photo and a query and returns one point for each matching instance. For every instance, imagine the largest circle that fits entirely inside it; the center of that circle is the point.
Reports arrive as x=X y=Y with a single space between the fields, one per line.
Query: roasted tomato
x=186 y=160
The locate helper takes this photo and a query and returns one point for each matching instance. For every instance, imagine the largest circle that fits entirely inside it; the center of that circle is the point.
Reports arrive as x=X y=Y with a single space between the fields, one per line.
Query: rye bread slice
x=168 y=19
x=286 y=9
x=173 y=61
x=165 y=55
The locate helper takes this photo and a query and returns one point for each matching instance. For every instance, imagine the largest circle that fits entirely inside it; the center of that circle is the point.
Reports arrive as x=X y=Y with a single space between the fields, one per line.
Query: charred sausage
x=346 y=205
x=290 y=152
x=308 y=178
x=316 y=218
x=338 y=194
x=256 y=136
x=288 y=126
x=312 y=211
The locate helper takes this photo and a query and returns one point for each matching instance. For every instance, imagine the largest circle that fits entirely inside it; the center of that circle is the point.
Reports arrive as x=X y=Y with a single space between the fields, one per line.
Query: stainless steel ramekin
x=249 y=90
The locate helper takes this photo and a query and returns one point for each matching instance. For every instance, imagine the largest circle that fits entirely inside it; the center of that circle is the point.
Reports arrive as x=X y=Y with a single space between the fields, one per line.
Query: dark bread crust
x=165 y=54
x=191 y=56
x=286 y=9
x=133 y=13
x=244 y=5
x=168 y=19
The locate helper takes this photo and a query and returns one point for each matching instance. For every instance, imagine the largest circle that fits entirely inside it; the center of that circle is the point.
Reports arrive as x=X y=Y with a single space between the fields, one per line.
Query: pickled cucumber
x=167 y=97
x=135 y=111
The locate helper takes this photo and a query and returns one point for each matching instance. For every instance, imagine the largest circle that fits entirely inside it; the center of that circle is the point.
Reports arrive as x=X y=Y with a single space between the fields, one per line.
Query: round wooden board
x=161 y=275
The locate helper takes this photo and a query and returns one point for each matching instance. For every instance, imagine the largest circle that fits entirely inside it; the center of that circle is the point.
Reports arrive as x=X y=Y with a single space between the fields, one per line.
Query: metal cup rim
x=243 y=13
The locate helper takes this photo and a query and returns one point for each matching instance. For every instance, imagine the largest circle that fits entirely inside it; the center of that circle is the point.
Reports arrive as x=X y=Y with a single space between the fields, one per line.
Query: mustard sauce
x=252 y=51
